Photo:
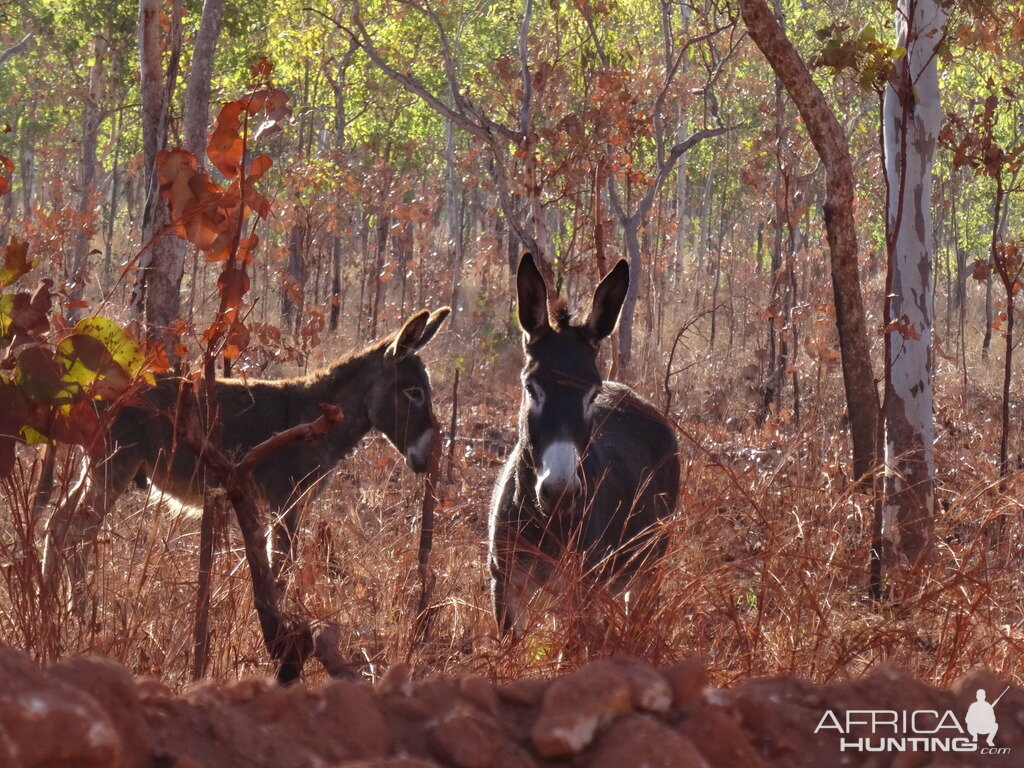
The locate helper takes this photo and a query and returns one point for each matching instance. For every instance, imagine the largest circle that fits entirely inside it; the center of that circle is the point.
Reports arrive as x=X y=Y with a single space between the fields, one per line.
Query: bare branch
x=665 y=168
x=311 y=432
x=15 y=49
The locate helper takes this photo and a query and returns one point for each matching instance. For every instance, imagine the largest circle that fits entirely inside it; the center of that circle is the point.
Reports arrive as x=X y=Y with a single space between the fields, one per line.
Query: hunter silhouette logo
x=922 y=730
x=981 y=717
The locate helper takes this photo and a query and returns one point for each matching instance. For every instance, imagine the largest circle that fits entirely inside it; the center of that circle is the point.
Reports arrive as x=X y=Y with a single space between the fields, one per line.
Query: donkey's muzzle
x=558 y=477
x=417 y=455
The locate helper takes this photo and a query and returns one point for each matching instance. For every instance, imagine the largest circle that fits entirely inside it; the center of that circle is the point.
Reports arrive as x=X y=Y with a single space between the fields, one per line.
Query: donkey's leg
x=75 y=525
x=55 y=538
x=515 y=578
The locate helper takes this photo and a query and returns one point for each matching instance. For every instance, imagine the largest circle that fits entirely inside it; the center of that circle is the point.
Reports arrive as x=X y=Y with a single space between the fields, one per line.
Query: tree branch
x=288 y=642
x=17 y=48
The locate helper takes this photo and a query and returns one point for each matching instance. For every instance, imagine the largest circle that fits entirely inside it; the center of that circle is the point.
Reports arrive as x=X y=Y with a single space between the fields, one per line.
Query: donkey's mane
x=562 y=315
x=347 y=360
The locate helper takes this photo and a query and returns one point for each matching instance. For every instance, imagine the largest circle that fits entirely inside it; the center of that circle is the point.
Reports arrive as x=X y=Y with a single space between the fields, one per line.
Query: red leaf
x=226 y=147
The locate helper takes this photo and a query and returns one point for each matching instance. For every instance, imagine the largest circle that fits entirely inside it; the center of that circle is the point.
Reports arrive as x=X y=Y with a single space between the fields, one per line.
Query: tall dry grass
x=766 y=573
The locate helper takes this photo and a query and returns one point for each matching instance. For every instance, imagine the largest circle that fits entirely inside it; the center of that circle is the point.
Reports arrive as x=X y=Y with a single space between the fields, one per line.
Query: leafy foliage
x=50 y=379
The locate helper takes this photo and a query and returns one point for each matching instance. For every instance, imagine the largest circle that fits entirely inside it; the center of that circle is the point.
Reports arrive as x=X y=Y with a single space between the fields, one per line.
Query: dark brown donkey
x=595 y=468
x=385 y=387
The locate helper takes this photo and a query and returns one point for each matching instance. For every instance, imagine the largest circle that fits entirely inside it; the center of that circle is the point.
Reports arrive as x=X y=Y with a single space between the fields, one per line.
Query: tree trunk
x=338 y=85
x=831 y=145
x=292 y=296
x=78 y=265
x=777 y=351
x=115 y=179
x=453 y=203
x=383 y=228
x=157 y=293
x=631 y=236
x=197 y=90
x=26 y=164
x=911 y=119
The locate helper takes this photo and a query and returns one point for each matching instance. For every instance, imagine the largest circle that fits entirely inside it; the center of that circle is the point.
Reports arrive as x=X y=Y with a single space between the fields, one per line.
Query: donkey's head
x=400 y=405
x=561 y=378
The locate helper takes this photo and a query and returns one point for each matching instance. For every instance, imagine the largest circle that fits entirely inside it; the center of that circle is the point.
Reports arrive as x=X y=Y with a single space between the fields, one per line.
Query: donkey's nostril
x=550 y=494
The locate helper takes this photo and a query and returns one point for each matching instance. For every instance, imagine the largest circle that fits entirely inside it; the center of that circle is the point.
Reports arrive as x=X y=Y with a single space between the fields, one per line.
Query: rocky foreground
x=89 y=712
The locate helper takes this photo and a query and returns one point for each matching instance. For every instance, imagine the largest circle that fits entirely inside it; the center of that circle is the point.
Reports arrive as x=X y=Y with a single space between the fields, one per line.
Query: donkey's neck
x=348 y=384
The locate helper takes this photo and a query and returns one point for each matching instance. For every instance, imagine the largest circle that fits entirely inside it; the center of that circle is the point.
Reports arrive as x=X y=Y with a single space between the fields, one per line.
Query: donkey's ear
x=435 y=321
x=408 y=339
x=608 y=299
x=532 y=298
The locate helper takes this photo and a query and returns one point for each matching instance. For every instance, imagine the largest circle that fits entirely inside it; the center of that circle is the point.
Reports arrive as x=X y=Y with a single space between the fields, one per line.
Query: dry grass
x=766 y=571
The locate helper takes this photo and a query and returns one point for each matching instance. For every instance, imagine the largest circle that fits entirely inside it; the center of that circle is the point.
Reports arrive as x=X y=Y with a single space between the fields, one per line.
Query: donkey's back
x=630 y=477
x=249 y=413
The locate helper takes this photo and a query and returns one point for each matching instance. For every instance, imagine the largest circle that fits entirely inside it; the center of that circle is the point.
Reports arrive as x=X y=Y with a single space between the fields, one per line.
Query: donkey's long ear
x=608 y=299
x=435 y=321
x=532 y=298
x=408 y=339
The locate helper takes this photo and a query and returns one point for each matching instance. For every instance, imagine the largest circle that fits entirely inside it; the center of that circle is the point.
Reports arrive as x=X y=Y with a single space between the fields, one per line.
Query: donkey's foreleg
x=515 y=578
x=74 y=522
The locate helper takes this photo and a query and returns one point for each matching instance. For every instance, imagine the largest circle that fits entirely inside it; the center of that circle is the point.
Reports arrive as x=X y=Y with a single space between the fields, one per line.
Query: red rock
x=640 y=740
x=393 y=762
x=511 y=756
x=527 y=691
x=720 y=739
x=465 y=739
x=650 y=690
x=49 y=722
x=396 y=679
x=351 y=710
x=577 y=705
x=114 y=689
x=479 y=691
x=688 y=679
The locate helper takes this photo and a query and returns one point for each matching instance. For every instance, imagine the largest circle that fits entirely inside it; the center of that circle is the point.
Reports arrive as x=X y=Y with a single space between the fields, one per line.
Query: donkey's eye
x=589 y=399
x=536 y=394
x=416 y=395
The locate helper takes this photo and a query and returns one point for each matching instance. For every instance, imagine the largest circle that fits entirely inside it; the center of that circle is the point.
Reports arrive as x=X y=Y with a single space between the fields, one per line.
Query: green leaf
x=123 y=349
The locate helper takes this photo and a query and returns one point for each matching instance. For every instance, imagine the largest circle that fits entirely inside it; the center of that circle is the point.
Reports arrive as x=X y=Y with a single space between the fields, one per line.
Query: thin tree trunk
x=831 y=145
x=26 y=164
x=383 y=227
x=339 y=86
x=453 y=202
x=780 y=184
x=115 y=178
x=292 y=295
x=78 y=266
x=157 y=294
x=197 y=89
x=911 y=119
x=196 y=119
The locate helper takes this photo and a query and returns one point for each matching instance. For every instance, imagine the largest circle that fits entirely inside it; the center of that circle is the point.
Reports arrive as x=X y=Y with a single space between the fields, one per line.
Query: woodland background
x=428 y=145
